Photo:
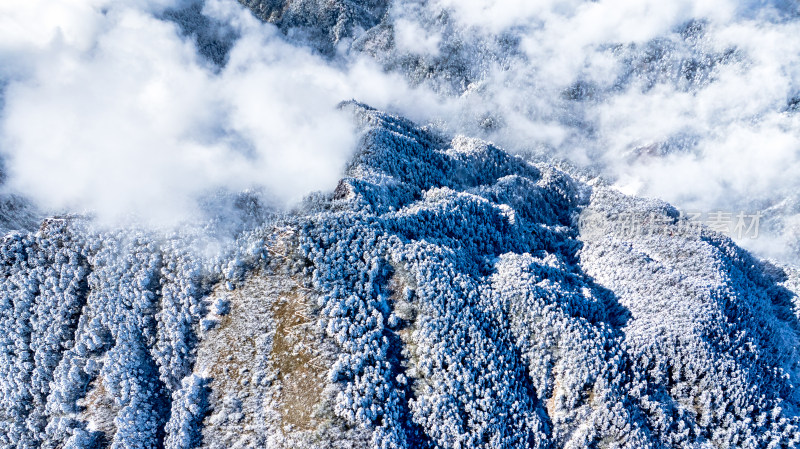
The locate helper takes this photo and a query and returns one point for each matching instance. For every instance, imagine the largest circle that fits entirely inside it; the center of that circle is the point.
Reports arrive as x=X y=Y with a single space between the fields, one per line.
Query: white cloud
x=412 y=38
x=733 y=146
x=107 y=108
x=117 y=114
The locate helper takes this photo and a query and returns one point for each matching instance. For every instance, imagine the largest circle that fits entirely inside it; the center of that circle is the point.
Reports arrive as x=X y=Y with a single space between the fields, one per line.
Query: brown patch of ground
x=300 y=367
x=98 y=409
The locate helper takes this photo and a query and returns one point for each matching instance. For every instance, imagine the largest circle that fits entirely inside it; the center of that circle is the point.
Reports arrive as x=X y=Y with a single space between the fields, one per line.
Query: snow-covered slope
x=446 y=294
x=324 y=22
x=692 y=102
x=16 y=212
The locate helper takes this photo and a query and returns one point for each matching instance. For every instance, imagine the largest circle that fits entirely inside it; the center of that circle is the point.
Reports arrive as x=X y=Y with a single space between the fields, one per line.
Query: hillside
x=446 y=295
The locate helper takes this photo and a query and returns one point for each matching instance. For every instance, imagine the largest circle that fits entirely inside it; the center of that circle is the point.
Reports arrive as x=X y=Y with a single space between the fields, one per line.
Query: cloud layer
x=109 y=108
x=112 y=108
x=694 y=102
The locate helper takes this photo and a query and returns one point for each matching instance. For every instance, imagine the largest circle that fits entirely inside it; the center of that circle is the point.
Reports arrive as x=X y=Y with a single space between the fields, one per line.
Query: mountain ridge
x=446 y=294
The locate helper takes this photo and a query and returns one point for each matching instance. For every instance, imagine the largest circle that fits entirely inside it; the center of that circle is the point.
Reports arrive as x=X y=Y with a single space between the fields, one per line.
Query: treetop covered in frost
x=456 y=292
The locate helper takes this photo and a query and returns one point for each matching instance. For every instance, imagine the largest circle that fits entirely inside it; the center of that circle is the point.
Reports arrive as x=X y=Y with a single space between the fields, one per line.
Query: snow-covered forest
x=444 y=295
x=205 y=243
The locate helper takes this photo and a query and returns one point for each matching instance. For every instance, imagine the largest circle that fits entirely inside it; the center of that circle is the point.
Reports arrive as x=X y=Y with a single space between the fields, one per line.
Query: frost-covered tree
x=463 y=296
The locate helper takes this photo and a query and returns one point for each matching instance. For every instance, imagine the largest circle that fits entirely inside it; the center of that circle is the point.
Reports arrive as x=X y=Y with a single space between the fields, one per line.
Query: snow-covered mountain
x=447 y=294
x=692 y=102
x=477 y=267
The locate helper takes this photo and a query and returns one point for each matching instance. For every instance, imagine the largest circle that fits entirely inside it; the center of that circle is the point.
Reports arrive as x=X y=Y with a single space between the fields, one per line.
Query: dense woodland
x=457 y=297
